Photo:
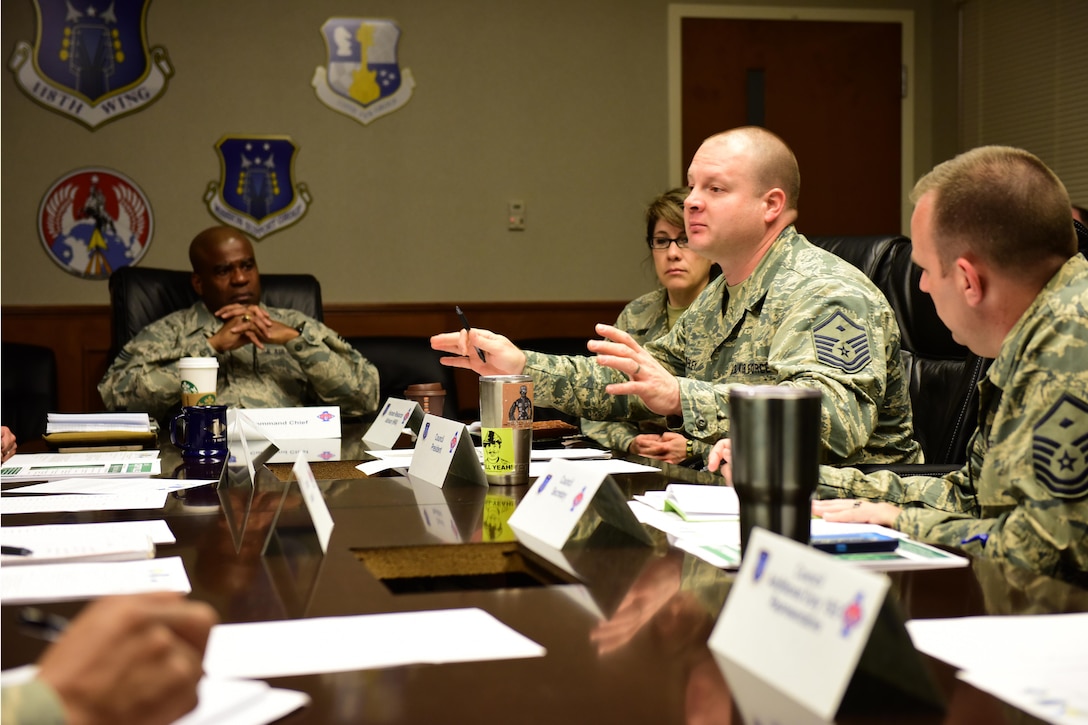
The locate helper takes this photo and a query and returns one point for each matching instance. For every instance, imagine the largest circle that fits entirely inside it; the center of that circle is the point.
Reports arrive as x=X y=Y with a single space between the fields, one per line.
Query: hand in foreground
x=7 y=443
x=721 y=456
x=668 y=446
x=503 y=356
x=245 y=324
x=130 y=659
x=856 y=511
x=647 y=379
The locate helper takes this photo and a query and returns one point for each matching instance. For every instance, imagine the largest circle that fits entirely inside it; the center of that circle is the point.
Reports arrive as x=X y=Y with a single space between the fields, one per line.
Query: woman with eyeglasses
x=682 y=274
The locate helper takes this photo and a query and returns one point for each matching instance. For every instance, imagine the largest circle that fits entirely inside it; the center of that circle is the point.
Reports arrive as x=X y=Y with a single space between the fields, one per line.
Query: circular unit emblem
x=94 y=220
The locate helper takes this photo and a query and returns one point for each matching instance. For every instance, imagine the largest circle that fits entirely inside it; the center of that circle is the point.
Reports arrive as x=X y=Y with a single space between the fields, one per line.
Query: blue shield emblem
x=363 y=78
x=94 y=220
x=91 y=60
x=255 y=192
x=1060 y=448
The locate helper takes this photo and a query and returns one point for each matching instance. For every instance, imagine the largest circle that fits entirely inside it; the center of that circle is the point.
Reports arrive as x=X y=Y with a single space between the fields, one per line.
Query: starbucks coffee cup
x=198 y=380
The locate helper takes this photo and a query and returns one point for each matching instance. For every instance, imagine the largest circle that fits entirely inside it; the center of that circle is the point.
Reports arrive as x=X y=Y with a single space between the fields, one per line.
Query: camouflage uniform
x=317 y=367
x=1023 y=494
x=646 y=318
x=804 y=317
x=32 y=703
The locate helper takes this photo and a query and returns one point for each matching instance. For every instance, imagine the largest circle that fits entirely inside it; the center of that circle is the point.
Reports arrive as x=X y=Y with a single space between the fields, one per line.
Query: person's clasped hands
x=246 y=324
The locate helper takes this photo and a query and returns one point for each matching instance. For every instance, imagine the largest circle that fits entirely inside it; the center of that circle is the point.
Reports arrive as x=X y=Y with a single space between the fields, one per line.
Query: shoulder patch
x=1060 y=448
x=842 y=343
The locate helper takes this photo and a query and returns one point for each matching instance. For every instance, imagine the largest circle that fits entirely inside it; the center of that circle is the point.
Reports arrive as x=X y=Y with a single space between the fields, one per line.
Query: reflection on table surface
x=624 y=625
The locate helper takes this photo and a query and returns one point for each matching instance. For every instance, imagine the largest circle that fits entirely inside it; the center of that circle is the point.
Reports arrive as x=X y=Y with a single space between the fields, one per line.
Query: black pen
x=15 y=551
x=41 y=624
x=464 y=324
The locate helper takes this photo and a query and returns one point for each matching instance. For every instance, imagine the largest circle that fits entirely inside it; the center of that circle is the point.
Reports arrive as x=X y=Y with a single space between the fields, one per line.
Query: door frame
x=905 y=18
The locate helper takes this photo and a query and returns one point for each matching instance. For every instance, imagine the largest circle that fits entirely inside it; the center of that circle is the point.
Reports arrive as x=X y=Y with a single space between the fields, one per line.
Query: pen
x=465 y=325
x=980 y=538
x=41 y=624
x=15 y=551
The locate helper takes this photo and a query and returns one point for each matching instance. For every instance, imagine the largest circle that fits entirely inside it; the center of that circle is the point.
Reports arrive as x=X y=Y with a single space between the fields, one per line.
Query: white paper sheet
x=1036 y=662
x=610 y=465
x=65 y=582
x=158 y=531
x=79 y=502
x=339 y=644
x=382 y=464
x=221 y=702
x=111 y=547
x=113 y=485
x=241 y=702
x=570 y=454
x=51 y=466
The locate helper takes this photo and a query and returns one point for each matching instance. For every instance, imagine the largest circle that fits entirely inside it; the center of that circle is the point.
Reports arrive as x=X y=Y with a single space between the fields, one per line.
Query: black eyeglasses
x=664 y=242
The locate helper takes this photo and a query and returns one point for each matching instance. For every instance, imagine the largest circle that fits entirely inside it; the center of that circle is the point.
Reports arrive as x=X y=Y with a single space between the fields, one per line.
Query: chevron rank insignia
x=842 y=343
x=1060 y=448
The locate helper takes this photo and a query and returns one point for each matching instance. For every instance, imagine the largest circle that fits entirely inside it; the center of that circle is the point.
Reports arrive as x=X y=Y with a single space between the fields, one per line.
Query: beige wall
x=559 y=103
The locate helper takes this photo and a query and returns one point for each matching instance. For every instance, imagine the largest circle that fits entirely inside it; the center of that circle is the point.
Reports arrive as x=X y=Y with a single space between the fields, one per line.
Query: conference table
x=625 y=638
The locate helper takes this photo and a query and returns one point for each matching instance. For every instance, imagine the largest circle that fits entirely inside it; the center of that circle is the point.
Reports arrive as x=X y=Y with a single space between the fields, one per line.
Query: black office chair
x=404 y=361
x=943 y=374
x=141 y=295
x=29 y=388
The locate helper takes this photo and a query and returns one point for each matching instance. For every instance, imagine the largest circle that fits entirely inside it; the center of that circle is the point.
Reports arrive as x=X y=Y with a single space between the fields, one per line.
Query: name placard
x=292 y=423
x=563 y=493
x=395 y=415
x=315 y=502
x=444 y=447
x=798 y=621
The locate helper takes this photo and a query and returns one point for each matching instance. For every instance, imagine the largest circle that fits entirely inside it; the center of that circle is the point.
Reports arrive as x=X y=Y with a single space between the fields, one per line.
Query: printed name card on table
x=278 y=424
x=565 y=492
x=395 y=416
x=444 y=447
x=802 y=624
x=319 y=522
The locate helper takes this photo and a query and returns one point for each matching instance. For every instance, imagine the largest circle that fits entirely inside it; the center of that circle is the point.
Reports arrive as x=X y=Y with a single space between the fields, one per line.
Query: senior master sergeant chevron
x=268 y=357
x=783 y=312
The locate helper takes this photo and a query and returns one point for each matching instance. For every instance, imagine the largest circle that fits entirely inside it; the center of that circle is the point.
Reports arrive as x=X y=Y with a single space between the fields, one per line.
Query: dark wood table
x=645 y=662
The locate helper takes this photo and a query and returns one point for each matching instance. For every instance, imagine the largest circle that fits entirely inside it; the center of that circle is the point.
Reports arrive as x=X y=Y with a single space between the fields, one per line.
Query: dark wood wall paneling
x=80 y=334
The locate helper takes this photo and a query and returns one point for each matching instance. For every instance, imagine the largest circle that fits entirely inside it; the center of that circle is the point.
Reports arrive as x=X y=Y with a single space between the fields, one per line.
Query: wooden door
x=831 y=89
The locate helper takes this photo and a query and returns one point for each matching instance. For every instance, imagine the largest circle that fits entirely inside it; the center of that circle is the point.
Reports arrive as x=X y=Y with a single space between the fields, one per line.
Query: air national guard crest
x=90 y=60
x=364 y=79
x=255 y=192
x=93 y=221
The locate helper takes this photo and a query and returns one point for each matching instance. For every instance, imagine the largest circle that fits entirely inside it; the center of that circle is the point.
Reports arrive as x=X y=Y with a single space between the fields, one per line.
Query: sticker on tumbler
x=517 y=401
x=498 y=450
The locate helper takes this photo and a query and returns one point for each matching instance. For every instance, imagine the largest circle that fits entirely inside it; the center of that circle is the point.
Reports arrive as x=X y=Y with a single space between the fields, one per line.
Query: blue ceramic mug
x=200 y=431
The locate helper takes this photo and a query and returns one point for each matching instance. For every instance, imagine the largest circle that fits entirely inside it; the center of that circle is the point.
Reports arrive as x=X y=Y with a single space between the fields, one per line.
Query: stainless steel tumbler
x=775 y=431
x=506 y=421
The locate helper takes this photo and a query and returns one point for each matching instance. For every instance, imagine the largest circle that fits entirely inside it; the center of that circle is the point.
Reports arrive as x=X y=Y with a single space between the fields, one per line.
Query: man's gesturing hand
x=647 y=379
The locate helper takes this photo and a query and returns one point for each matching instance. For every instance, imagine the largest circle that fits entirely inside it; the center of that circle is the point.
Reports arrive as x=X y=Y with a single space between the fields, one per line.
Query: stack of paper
x=92 y=422
x=102 y=431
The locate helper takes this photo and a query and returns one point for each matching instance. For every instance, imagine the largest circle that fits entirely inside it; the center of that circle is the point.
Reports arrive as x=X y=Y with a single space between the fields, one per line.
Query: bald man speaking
x=268 y=357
